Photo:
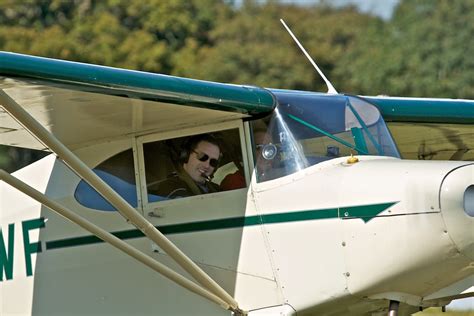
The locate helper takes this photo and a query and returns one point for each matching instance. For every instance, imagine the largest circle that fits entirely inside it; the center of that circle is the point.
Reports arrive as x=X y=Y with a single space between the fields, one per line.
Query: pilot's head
x=203 y=155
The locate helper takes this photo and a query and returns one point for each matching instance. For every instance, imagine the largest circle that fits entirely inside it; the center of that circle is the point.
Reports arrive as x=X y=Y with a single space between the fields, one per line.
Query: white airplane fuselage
x=331 y=239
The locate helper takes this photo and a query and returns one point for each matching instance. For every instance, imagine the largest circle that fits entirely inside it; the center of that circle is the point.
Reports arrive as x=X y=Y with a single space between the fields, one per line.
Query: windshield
x=308 y=128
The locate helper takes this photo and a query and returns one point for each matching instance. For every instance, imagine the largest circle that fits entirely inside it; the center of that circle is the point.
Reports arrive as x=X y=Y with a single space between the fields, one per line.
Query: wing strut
x=111 y=239
x=127 y=211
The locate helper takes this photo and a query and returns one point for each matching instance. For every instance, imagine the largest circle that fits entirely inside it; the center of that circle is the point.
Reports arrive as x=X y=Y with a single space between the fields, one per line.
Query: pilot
x=199 y=159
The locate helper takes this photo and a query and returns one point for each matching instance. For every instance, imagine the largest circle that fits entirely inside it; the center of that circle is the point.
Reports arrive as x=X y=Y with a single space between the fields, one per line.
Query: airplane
x=330 y=220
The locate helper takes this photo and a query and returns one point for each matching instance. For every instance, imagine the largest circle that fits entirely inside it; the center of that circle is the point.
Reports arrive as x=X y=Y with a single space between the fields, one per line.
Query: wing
x=426 y=129
x=83 y=103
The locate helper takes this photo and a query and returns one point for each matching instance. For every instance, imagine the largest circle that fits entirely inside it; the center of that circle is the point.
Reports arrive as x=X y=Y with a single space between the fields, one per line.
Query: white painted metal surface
x=277 y=247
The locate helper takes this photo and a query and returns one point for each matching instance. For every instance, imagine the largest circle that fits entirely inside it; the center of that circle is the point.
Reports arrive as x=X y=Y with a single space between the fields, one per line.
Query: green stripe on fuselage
x=364 y=212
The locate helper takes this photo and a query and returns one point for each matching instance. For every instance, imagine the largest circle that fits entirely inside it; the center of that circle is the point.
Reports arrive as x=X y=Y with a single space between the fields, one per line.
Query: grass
x=436 y=311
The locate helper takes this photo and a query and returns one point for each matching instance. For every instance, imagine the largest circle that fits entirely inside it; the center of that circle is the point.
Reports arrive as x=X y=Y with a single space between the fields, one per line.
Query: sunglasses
x=205 y=157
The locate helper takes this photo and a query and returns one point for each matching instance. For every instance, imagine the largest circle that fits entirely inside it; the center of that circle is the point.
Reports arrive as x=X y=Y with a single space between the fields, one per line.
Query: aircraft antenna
x=331 y=89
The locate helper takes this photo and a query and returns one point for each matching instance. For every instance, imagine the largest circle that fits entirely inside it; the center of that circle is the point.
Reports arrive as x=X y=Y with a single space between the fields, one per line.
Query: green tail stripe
x=365 y=212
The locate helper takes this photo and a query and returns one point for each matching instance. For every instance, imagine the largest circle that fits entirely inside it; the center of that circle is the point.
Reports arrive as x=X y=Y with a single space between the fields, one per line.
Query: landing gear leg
x=393 y=308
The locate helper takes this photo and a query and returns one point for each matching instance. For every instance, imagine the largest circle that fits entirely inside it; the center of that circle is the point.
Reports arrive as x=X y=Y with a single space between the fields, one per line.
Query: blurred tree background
x=424 y=50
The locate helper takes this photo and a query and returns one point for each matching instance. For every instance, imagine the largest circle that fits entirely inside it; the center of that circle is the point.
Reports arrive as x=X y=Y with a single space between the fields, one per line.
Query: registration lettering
x=7 y=249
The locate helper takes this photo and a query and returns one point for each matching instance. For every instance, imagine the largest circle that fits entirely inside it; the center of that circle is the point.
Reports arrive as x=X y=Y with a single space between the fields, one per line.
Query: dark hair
x=192 y=142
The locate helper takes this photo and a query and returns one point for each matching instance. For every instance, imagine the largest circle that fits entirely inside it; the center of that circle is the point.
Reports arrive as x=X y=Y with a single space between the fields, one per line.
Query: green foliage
x=40 y=14
x=141 y=34
x=252 y=47
x=423 y=51
x=13 y=158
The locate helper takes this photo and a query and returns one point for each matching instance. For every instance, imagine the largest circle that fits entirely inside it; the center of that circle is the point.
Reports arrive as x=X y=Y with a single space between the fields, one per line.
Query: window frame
x=138 y=151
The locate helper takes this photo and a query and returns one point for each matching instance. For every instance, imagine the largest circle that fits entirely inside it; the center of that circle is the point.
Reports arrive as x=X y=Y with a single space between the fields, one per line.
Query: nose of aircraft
x=457 y=207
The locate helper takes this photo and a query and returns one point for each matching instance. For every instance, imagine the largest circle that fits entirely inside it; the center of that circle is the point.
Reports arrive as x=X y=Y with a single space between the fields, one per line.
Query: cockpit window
x=306 y=129
x=171 y=165
x=193 y=165
x=118 y=172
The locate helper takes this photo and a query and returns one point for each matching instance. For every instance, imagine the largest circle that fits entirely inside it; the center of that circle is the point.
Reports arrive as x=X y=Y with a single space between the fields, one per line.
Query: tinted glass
x=308 y=128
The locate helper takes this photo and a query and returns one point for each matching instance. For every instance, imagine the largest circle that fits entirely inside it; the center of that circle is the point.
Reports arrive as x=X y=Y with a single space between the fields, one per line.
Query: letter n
x=6 y=259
